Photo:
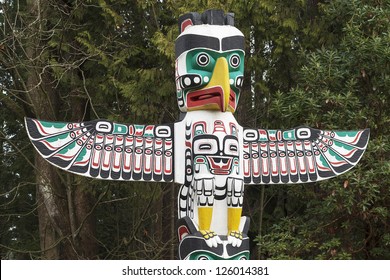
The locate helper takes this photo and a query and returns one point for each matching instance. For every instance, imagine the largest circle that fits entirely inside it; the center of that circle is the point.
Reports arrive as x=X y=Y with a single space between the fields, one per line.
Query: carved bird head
x=209 y=62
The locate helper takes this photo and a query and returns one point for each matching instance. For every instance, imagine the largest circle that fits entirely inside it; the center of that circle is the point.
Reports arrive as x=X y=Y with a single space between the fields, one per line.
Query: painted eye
x=233 y=148
x=235 y=61
x=204 y=147
x=203 y=59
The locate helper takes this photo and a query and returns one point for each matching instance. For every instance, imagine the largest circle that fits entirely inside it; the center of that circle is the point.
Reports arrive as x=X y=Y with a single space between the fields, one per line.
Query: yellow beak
x=216 y=94
x=220 y=77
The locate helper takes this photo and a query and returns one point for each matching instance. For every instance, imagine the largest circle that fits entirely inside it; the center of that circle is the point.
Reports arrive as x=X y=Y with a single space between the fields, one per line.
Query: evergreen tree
x=343 y=85
x=318 y=63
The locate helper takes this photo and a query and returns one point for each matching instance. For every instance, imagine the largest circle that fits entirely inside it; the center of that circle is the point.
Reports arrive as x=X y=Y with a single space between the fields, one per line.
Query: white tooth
x=234 y=201
x=238 y=188
x=229 y=201
x=208 y=187
x=229 y=184
x=202 y=199
x=198 y=187
x=239 y=242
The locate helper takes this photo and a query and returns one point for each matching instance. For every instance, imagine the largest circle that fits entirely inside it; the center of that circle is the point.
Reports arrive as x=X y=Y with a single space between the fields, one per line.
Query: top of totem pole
x=209 y=62
x=211 y=17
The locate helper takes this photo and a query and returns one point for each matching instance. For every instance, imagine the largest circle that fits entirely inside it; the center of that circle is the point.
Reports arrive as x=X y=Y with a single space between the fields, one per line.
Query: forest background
x=324 y=64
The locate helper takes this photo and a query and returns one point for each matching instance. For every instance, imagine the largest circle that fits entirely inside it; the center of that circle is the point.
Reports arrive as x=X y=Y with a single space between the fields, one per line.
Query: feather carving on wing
x=106 y=150
x=300 y=155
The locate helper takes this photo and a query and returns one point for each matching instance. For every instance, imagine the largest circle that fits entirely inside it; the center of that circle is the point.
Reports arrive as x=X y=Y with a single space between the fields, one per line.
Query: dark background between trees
x=324 y=64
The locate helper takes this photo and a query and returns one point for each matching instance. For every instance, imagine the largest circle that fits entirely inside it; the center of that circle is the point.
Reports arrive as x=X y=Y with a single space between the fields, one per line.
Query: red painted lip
x=213 y=95
x=220 y=165
x=232 y=99
x=198 y=98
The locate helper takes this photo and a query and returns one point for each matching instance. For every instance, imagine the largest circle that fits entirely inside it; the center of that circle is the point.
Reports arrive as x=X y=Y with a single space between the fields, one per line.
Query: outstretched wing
x=300 y=155
x=106 y=150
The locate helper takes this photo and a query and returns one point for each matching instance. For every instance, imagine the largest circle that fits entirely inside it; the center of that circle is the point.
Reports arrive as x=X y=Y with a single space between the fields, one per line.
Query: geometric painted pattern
x=213 y=156
x=106 y=150
x=300 y=155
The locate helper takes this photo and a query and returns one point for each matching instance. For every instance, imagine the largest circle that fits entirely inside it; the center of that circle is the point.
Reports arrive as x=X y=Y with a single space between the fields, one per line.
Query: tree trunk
x=65 y=224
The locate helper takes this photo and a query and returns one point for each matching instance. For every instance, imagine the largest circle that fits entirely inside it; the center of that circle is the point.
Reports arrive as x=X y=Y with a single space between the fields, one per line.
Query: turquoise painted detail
x=120 y=129
x=53 y=124
x=289 y=135
x=272 y=132
x=351 y=133
x=67 y=148
x=57 y=138
x=323 y=161
x=206 y=71
x=206 y=255
x=263 y=137
x=205 y=161
x=81 y=155
x=343 y=145
x=334 y=154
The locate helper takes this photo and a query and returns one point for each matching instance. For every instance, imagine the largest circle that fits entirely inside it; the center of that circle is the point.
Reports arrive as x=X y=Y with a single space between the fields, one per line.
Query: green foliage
x=343 y=85
x=318 y=63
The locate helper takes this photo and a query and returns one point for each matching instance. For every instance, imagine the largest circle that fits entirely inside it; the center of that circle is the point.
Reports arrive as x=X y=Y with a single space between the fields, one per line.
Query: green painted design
x=81 y=155
x=198 y=131
x=53 y=124
x=263 y=138
x=334 y=154
x=343 y=145
x=272 y=132
x=205 y=161
x=323 y=161
x=351 y=133
x=207 y=70
x=139 y=127
x=120 y=129
x=57 y=138
x=207 y=255
x=67 y=148
x=289 y=135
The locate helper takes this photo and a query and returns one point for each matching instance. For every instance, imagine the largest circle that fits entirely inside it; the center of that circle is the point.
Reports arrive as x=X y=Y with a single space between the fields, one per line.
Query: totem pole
x=207 y=152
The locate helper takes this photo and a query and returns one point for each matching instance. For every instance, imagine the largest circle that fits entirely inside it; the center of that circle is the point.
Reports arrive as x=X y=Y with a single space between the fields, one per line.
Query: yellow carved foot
x=235 y=238
x=211 y=238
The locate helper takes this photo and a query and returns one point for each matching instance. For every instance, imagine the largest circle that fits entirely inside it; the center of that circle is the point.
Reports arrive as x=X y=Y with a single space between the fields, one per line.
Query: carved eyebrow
x=233 y=43
x=192 y=41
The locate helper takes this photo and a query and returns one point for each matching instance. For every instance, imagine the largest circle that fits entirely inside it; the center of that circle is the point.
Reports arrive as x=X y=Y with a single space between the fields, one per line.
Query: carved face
x=217 y=152
x=209 y=67
x=220 y=160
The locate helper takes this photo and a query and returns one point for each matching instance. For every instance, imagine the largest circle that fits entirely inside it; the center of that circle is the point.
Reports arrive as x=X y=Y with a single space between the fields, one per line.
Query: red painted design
x=186 y=23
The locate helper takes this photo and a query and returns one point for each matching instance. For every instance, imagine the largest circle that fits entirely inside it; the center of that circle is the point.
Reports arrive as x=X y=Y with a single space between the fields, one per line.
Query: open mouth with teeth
x=209 y=98
x=220 y=165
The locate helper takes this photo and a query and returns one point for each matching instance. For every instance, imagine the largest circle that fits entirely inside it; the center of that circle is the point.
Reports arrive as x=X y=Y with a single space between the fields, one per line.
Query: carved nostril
x=239 y=81
x=190 y=80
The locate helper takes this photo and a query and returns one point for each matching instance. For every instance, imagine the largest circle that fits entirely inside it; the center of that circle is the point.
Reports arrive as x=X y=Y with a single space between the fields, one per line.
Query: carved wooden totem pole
x=207 y=152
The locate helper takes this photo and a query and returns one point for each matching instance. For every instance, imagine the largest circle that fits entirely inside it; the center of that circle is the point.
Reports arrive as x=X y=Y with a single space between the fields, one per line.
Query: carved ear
x=189 y=20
